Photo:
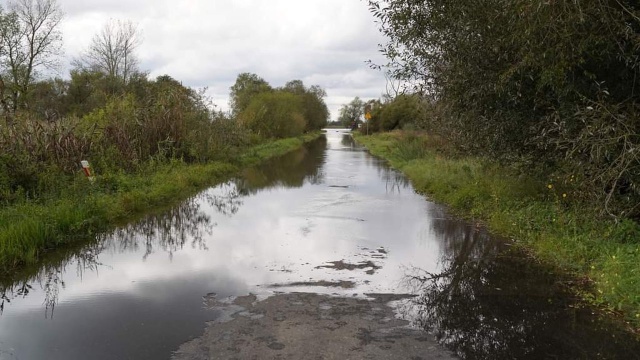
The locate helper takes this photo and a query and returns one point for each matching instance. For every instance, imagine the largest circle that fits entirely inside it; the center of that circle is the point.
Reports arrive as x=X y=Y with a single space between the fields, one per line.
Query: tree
x=277 y=114
x=112 y=50
x=403 y=110
x=552 y=84
x=351 y=113
x=30 y=40
x=315 y=109
x=247 y=86
x=295 y=87
x=47 y=99
x=316 y=112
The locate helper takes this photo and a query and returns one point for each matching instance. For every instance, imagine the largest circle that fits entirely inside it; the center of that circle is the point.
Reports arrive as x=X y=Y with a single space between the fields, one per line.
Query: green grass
x=536 y=213
x=30 y=229
x=258 y=153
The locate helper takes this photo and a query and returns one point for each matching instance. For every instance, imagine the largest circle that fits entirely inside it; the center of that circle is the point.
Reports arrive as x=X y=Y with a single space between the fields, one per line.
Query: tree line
x=109 y=111
x=549 y=86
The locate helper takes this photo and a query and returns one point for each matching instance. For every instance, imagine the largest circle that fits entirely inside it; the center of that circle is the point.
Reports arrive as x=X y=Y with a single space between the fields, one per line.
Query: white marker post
x=87 y=170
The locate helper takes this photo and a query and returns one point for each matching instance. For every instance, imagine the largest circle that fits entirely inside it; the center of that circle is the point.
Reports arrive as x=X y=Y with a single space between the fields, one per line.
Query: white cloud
x=208 y=43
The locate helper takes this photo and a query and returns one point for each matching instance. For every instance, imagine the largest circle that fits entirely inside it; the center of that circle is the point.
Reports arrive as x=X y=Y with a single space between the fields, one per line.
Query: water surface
x=327 y=214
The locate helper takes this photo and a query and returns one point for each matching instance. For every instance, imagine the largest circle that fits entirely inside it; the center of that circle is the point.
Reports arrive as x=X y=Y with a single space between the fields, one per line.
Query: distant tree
x=112 y=50
x=29 y=40
x=247 y=86
x=295 y=87
x=351 y=113
x=403 y=110
x=316 y=112
x=374 y=124
x=277 y=114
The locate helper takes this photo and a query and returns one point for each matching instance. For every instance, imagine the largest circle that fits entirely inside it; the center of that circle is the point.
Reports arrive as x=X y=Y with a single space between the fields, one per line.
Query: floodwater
x=328 y=219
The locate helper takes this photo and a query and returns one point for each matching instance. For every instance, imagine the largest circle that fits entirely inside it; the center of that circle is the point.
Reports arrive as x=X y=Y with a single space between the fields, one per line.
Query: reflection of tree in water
x=348 y=141
x=182 y=225
x=225 y=198
x=290 y=170
x=490 y=302
x=394 y=180
x=48 y=276
x=170 y=231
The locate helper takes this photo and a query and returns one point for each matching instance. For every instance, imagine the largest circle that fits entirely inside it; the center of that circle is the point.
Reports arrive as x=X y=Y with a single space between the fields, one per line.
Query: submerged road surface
x=325 y=253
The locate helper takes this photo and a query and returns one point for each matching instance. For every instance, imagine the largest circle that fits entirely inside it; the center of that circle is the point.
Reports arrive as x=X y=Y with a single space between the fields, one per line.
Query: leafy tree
x=275 y=115
x=247 y=86
x=403 y=111
x=295 y=87
x=351 y=113
x=316 y=112
x=552 y=84
x=47 y=99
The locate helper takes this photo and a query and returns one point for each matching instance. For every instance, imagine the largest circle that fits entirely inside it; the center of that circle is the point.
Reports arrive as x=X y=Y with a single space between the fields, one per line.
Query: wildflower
x=564 y=195
x=550 y=186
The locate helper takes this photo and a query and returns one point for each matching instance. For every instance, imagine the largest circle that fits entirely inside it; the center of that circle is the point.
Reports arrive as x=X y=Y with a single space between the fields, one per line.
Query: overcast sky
x=209 y=42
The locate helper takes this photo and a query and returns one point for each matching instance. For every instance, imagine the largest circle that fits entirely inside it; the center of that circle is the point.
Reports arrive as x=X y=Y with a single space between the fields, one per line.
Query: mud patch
x=341 y=265
x=321 y=283
x=312 y=326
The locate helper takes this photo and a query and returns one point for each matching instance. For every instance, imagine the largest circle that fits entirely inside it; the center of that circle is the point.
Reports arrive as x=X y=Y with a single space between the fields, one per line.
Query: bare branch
x=112 y=50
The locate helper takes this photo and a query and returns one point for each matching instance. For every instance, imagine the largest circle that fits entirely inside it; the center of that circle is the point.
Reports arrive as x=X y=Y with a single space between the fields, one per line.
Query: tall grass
x=543 y=215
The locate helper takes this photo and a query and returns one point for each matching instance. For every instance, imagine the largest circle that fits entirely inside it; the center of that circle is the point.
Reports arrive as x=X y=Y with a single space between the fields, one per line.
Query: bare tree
x=112 y=50
x=30 y=40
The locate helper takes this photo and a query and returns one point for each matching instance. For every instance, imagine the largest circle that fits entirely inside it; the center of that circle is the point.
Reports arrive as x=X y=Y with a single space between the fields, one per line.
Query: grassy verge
x=538 y=213
x=29 y=229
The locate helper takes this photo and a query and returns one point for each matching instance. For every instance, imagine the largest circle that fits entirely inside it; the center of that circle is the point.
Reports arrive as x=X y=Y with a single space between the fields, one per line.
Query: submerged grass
x=30 y=229
x=557 y=228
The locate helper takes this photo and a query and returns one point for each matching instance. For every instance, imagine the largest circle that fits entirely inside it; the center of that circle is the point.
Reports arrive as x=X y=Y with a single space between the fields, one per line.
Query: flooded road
x=328 y=219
